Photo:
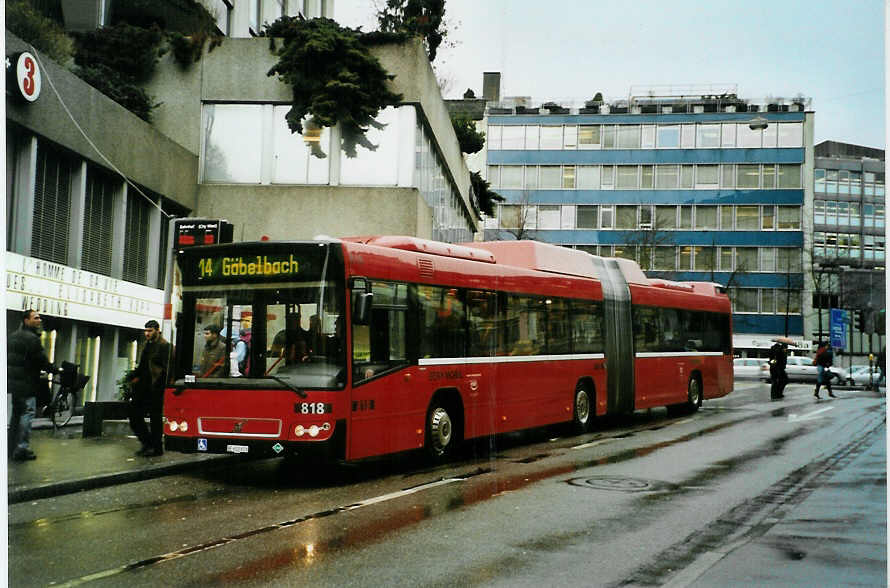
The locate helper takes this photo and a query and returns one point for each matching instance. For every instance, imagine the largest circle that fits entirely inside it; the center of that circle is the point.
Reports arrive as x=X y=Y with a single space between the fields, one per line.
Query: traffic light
x=880 y=321
x=869 y=321
x=859 y=318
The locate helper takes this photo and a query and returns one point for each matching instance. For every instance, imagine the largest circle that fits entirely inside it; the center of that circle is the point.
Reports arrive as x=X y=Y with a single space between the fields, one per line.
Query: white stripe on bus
x=505 y=359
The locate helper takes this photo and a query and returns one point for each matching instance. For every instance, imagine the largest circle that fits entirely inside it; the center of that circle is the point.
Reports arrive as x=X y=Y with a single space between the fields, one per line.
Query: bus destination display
x=223 y=268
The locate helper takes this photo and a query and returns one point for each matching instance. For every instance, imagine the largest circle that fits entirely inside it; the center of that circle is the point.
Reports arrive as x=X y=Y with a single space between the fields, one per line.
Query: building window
x=666 y=177
x=625 y=217
x=294 y=162
x=746 y=259
x=568 y=177
x=548 y=217
x=569 y=137
x=706 y=176
x=587 y=217
x=706 y=218
x=627 y=177
x=708 y=136
x=550 y=177
x=768 y=218
x=727 y=176
x=628 y=136
x=687 y=173
x=687 y=139
x=789 y=218
x=551 y=137
x=493 y=137
x=511 y=177
x=232 y=143
x=648 y=137
x=513 y=137
x=589 y=137
x=727 y=138
x=607 y=212
x=52 y=205
x=769 y=176
x=705 y=259
x=589 y=177
x=747 y=176
x=665 y=217
x=747 y=218
x=647 y=177
x=790 y=134
x=665 y=258
x=136 y=229
x=532 y=137
x=747 y=137
x=788 y=176
x=745 y=300
x=98 y=222
x=668 y=136
x=788 y=260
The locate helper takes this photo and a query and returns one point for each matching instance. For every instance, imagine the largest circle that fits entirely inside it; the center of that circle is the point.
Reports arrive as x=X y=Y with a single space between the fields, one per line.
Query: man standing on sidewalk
x=148 y=382
x=25 y=358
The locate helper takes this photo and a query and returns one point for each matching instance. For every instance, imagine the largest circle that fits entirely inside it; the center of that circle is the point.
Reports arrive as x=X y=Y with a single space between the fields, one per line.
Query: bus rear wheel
x=581 y=411
x=694 y=394
x=440 y=434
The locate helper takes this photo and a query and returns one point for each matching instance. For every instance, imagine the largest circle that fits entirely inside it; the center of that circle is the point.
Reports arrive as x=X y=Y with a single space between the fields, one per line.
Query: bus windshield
x=255 y=312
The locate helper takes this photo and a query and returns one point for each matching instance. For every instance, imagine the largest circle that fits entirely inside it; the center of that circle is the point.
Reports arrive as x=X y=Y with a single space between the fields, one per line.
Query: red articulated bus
x=359 y=347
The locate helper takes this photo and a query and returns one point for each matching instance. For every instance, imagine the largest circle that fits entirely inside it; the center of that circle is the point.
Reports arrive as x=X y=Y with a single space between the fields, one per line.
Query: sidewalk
x=66 y=462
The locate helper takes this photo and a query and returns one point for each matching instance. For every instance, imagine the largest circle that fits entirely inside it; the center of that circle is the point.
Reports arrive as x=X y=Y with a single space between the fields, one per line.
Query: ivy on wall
x=484 y=194
x=470 y=140
x=333 y=77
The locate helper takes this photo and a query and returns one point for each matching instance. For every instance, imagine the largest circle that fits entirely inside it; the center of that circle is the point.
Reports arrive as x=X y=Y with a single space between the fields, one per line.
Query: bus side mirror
x=361 y=308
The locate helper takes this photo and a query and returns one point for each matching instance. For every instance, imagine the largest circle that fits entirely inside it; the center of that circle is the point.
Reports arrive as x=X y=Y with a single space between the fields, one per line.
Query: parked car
x=802 y=369
x=750 y=368
x=859 y=374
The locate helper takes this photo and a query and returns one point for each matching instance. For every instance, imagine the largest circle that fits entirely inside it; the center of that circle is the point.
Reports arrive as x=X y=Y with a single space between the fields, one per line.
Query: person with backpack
x=824 y=360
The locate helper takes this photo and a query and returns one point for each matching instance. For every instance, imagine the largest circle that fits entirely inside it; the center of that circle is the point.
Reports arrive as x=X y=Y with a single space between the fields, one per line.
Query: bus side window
x=483 y=328
x=646 y=332
x=443 y=324
x=381 y=345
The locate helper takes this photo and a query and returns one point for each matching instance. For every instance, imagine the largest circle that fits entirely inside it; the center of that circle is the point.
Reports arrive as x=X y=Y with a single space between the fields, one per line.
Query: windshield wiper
x=299 y=392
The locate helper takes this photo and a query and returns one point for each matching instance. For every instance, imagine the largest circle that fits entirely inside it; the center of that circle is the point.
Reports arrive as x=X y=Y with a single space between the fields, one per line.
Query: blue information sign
x=838 y=326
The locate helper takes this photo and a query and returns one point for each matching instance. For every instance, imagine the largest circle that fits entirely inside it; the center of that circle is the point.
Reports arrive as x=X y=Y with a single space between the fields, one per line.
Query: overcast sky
x=831 y=51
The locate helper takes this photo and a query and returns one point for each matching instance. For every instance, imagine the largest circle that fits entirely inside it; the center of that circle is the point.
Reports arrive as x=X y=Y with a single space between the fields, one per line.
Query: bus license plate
x=236 y=448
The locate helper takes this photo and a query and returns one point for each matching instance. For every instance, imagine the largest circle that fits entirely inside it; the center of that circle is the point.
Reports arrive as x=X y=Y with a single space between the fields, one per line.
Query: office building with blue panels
x=693 y=187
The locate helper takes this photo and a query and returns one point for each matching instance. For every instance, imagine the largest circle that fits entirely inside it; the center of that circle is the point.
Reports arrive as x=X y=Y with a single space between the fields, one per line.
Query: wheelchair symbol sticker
x=202 y=444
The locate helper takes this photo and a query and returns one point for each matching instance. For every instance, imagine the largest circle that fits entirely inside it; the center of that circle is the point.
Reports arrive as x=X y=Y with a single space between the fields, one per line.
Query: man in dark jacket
x=25 y=358
x=148 y=381
x=778 y=359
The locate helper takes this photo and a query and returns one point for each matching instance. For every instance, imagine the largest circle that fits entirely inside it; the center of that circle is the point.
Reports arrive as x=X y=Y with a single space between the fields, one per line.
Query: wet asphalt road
x=647 y=500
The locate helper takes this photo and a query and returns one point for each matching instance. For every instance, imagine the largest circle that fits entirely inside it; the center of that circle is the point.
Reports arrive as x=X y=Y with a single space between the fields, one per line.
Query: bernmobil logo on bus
x=236 y=266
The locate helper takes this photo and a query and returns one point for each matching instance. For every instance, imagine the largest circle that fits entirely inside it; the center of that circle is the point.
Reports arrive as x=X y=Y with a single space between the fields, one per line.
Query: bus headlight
x=299 y=430
x=174 y=425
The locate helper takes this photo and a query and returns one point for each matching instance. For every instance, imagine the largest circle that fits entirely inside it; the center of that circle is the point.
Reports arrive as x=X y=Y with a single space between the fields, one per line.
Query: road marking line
x=592 y=444
x=400 y=493
x=793 y=418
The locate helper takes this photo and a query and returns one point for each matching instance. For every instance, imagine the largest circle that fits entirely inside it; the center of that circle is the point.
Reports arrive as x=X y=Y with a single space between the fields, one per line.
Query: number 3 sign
x=27 y=75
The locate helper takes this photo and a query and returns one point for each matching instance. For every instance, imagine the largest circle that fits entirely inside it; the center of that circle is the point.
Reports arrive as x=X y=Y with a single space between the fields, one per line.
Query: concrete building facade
x=91 y=188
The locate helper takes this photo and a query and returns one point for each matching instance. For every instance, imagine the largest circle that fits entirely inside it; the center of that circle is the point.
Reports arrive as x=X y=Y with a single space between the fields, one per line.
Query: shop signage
x=54 y=289
x=26 y=71
x=766 y=341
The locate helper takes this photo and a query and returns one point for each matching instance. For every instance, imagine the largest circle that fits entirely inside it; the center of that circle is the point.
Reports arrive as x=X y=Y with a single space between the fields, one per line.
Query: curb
x=52 y=489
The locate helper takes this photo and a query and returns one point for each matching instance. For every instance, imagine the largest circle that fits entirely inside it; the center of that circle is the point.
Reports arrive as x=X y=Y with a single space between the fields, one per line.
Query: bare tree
x=518 y=219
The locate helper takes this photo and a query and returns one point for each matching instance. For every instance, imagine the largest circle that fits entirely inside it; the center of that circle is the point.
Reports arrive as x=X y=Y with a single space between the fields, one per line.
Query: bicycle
x=61 y=407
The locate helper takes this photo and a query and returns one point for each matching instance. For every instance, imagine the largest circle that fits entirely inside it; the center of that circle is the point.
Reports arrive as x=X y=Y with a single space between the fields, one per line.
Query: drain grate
x=622 y=484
